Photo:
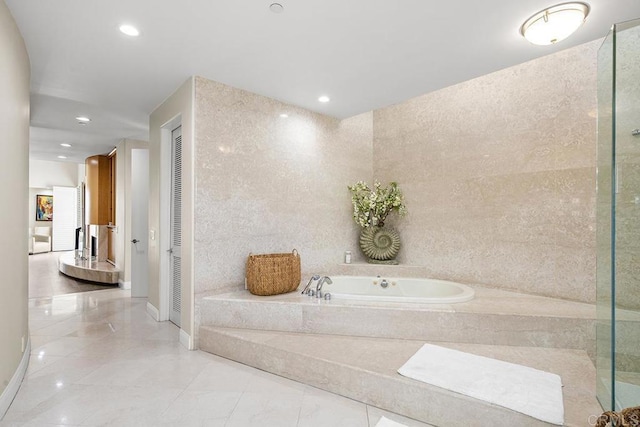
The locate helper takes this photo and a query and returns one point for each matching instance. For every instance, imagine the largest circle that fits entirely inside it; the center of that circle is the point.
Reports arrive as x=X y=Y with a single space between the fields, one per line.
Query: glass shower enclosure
x=618 y=219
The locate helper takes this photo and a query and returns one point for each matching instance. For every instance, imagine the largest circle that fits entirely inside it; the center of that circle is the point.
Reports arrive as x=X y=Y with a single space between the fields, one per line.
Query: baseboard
x=153 y=312
x=12 y=388
x=185 y=340
x=124 y=285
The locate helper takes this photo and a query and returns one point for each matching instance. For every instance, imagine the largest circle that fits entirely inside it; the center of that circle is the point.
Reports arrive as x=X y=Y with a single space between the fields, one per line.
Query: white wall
x=178 y=105
x=14 y=174
x=44 y=174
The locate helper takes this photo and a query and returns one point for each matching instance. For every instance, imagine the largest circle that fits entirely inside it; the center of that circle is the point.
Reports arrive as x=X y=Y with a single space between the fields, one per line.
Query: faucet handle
x=313 y=278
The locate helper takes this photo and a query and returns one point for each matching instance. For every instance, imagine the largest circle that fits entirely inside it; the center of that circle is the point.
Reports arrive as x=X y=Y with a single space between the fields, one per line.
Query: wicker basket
x=272 y=274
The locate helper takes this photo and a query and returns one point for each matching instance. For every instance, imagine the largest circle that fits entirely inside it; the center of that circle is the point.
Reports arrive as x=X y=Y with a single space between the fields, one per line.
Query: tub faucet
x=322 y=281
x=306 y=288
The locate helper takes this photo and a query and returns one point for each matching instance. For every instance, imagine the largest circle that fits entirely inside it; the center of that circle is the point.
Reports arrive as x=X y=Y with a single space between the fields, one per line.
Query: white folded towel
x=523 y=389
x=386 y=422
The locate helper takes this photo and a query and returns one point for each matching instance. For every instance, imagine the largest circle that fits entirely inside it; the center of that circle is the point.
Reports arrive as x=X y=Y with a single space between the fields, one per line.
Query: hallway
x=98 y=358
x=46 y=281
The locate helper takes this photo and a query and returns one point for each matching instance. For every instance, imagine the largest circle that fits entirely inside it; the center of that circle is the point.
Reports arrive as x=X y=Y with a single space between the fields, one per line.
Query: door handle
x=135 y=241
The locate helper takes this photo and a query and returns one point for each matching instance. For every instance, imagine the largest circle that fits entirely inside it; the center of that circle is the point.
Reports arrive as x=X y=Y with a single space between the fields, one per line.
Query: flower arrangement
x=372 y=206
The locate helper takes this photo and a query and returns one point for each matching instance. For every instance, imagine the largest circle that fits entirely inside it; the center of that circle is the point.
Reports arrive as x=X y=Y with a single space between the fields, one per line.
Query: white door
x=176 y=225
x=64 y=218
x=139 y=222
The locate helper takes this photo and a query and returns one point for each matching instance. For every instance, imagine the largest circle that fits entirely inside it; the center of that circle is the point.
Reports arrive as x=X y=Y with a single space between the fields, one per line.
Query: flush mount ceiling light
x=554 y=23
x=129 y=30
x=276 y=8
x=62 y=157
x=65 y=145
x=83 y=119
x=324 y=98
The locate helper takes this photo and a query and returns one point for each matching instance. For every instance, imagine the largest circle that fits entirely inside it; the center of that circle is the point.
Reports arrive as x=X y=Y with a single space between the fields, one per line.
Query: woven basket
x=273 y=274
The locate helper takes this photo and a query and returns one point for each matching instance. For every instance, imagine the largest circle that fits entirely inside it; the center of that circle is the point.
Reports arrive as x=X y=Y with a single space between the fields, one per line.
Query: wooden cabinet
x=98 y=190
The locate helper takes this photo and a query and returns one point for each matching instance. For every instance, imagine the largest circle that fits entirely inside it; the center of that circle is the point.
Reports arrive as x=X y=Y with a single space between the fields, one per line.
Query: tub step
x=364 y=369
x=494 y=317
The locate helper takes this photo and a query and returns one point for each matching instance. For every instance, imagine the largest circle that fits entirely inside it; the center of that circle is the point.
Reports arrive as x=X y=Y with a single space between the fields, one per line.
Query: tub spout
x=322 y=281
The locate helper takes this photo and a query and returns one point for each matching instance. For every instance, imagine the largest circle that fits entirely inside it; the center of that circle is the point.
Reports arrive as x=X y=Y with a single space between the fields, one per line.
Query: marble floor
x=97 y=358
x=45 y=280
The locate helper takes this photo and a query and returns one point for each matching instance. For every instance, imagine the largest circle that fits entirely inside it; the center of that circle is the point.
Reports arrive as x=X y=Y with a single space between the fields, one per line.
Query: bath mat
x=523 y=389
x=386 y=422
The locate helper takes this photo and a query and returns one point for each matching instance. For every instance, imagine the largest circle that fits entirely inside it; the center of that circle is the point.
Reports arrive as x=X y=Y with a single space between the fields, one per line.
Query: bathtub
x=428 y=291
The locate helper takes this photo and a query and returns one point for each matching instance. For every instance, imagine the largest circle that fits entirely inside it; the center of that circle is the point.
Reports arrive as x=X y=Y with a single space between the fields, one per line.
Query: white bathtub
x=428 y=291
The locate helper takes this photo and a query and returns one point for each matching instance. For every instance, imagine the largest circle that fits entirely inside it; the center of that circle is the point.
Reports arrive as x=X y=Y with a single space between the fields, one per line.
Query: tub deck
x=492 y=317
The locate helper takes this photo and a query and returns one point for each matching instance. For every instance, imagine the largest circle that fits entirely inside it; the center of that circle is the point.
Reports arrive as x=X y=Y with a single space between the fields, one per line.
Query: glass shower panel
x=604 y=220
x=627 y=215
x=618 y=219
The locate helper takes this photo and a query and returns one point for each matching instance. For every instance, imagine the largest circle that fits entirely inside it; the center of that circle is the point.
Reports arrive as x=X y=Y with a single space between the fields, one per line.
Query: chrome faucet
x=322 y=281
x=306 y=288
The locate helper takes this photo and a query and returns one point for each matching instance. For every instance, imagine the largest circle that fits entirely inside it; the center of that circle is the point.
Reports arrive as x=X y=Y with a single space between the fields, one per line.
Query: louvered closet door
x=64 y=218
x=176 y=224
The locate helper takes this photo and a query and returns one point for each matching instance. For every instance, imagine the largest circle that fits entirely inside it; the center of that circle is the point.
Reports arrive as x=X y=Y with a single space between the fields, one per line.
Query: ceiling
x=364 y=54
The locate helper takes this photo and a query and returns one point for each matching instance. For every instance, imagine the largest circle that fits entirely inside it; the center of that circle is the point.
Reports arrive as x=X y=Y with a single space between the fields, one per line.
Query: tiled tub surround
x=492 y=317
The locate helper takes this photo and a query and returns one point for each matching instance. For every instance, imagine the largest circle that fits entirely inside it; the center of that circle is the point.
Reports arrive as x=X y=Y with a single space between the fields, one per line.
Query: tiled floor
x=45 y=280
x=98 y=359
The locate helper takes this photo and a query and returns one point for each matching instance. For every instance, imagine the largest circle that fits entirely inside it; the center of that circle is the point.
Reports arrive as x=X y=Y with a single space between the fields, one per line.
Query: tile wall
x=498 y=173
x=499 y=176
x=270 y=184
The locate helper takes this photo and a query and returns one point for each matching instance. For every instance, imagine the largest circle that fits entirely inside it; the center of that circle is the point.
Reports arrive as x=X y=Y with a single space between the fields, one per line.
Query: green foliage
x=372 y=206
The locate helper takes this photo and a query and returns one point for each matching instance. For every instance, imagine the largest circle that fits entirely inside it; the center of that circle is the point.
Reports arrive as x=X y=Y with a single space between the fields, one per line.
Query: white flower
x=371 y=207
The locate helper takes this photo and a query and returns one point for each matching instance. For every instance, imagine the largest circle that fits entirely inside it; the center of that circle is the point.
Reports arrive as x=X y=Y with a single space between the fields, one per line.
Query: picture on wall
x=44 y=207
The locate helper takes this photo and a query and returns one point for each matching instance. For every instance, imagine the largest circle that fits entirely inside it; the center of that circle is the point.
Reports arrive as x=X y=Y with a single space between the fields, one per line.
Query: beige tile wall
x=270 y=184
x=498 y=173
x=499 y=176
x=627 y=215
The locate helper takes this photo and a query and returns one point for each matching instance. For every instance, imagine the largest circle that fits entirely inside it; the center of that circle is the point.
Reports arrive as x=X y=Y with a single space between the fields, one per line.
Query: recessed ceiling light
x=276 y=8
x=554 y=23
x=62 y=157
x=65 y=145
x=324 y=98
x=83 y=119
x=284 y=116
x=129 y=30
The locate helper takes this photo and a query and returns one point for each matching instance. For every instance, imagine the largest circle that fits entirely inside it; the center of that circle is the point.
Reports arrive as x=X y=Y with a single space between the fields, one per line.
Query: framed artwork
x=44 y=207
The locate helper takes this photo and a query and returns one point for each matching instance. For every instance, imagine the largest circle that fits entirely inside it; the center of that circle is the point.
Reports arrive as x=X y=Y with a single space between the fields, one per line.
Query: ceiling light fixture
x=62 y=157
x=276 y=8
x=83 y=119
x=129 y=30
x=324 y=98
x=65 y=145
x=284 y=116
x=554 y=23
